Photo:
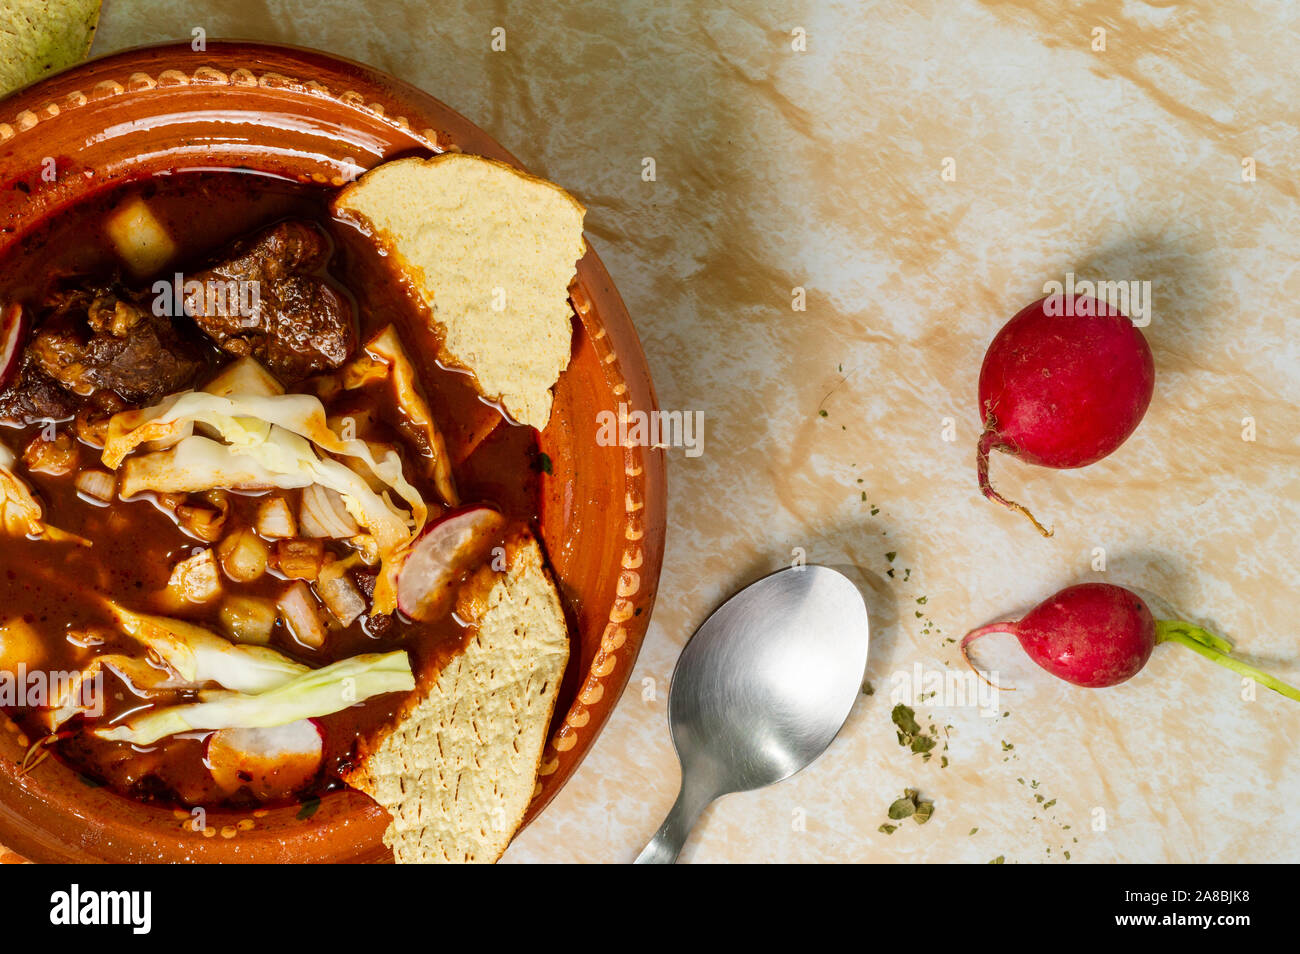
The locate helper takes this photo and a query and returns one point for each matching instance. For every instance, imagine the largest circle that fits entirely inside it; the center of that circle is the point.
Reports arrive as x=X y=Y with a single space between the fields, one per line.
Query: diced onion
x=341 y=597
x=244 y=556
x=97 y=484
x=299 y=611
x=275 y=519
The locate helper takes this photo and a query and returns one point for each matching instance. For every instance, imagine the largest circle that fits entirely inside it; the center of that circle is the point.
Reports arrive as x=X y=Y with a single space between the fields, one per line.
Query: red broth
x=59 y=588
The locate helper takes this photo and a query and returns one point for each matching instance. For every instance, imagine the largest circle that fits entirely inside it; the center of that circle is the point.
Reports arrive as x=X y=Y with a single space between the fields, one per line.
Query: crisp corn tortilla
x=40 y=37
x=492 y=252
x=458 y=771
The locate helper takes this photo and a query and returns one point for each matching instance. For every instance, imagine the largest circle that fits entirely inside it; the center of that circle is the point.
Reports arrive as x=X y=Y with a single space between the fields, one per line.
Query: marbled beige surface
x=822 y=169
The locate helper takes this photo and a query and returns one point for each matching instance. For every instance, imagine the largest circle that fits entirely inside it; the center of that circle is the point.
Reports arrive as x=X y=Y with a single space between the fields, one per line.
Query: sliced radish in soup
x=271 y=763
x=13 y=328
x=441 y=558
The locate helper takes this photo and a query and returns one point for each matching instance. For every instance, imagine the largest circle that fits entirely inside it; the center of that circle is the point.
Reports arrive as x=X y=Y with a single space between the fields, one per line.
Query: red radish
x=1062 y=390
x=272 y=763
x=439 y=560
x=1098 y=634
x=13 y=330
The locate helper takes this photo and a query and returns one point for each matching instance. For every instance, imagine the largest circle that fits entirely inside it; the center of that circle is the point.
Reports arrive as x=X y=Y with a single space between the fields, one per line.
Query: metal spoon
x=761 y=689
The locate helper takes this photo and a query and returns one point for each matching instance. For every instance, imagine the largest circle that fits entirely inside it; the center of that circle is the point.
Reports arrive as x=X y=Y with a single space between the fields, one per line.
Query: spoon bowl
x=761 y=689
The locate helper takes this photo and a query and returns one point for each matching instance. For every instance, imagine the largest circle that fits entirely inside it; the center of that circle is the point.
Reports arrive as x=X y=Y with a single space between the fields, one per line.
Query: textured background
x=822 y=169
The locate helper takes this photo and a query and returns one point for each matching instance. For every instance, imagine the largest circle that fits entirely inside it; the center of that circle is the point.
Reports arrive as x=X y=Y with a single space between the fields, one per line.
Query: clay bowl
x=309 y=116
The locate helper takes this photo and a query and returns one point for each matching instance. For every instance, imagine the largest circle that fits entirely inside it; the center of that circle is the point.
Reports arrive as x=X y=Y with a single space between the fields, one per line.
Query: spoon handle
x=665 y=846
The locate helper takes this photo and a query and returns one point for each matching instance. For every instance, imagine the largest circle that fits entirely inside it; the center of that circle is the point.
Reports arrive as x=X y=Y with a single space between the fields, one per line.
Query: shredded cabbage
x=270 y=441
x=198 y=656
x=319 y=692
x=143 y=678
x=248 y=422
x=199 y=463
x=386 y=349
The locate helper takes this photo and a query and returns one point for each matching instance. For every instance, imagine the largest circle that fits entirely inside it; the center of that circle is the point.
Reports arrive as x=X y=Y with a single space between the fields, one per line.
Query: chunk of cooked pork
x=301 y=325
x=95 y=341
x=98 y=340
x=34 y=396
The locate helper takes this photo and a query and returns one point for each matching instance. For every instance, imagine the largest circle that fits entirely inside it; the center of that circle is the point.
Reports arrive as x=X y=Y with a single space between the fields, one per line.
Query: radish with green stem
x=1061 y=390
x=1098 y=634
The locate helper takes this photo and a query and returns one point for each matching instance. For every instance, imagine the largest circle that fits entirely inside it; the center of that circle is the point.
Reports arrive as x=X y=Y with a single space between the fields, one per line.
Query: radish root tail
x=1004 y=626
x=1216 y=649
x=982 y=467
